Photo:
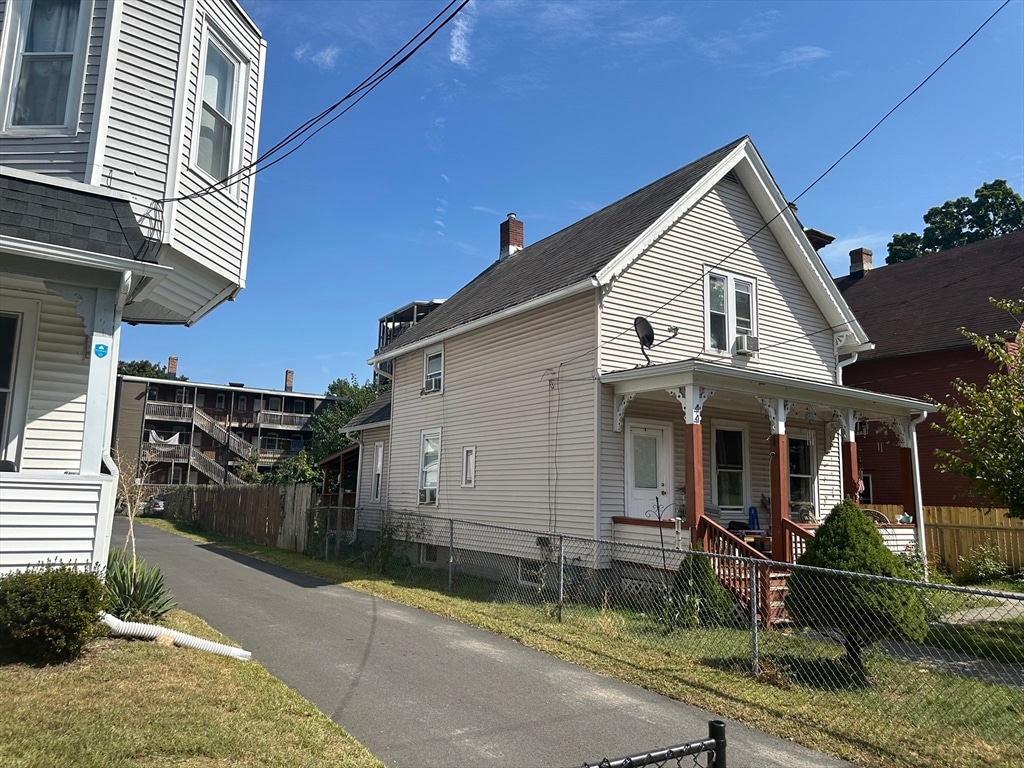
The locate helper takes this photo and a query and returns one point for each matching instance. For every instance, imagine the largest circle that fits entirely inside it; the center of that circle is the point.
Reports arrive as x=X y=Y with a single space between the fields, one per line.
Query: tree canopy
x=988 y=421
x=995 y=210
x=353 y=397
x=146 y=369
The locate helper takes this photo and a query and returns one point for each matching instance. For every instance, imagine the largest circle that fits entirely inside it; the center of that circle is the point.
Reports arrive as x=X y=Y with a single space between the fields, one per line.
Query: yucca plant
x=135 y=590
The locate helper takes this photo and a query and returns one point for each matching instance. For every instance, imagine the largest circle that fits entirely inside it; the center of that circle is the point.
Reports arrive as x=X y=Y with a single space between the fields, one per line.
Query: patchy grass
x=909 y=715
x=133 y=703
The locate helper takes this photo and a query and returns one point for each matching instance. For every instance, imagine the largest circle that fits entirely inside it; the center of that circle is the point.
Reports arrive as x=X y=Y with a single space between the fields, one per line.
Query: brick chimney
x=860 y=262
x=172 y=366
x=511 y=236
x=289 y=380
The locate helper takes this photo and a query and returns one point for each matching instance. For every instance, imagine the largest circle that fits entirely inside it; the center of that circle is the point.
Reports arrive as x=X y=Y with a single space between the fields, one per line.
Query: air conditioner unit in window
x=432 y=385
x=746 y=344
x=428 y=495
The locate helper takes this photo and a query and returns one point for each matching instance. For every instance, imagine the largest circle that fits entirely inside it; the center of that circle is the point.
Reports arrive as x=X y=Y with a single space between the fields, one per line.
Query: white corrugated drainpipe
x=151 y=632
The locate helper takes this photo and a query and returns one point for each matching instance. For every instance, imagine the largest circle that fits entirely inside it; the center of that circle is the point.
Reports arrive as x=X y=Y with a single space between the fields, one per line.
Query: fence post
x=716 y=731
x=754 y=592
x=561 y=574
x=451 y=555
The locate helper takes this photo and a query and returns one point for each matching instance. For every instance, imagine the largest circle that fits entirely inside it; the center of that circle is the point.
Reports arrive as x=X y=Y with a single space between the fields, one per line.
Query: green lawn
x=134 y=703
x=908 y=716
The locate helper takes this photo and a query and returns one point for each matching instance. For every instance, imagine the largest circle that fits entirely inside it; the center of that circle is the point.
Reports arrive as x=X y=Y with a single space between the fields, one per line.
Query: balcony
x=169 y=411
x=156 y=452
x=283 y=420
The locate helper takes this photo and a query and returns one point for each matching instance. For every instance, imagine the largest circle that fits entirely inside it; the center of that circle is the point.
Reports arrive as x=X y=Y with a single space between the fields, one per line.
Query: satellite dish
x=645 y=333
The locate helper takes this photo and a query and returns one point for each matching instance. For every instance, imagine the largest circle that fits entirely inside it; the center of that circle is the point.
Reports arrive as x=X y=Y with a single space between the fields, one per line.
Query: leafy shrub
x=982 y=565
x=861 y=611
x=698 y=597
x=49 y=612
x=135 y=592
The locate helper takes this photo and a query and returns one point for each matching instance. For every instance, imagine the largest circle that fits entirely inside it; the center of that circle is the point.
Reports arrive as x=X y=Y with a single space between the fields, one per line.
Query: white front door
x=649 y=470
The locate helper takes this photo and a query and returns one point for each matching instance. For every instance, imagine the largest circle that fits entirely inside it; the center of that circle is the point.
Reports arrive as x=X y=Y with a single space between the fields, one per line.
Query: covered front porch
x=750 y=462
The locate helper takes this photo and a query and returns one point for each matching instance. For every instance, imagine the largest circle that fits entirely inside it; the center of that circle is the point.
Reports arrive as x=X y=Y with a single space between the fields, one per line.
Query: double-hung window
x=730 y=302
x=219 y=109
x=433 y=370
x=801 y=469
x=430 y=465
x=730 y=469
x=47 y=64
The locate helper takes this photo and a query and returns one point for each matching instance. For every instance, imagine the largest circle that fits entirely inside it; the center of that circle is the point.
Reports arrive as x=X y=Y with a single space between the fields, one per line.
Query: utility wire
x=807 y=189
x=310 y=127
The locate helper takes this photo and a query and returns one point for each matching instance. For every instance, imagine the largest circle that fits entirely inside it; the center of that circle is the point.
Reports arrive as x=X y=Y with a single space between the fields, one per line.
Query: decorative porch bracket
x=692 y=398
x=777 y=409
x=621 y=401
x=848 y=419
x=904 y=430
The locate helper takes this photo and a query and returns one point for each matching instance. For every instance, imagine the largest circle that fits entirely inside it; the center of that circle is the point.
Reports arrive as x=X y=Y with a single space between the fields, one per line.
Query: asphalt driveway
x=421 y=691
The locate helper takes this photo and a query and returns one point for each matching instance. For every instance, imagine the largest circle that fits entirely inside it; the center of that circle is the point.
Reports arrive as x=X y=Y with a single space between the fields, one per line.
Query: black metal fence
x=711 y=750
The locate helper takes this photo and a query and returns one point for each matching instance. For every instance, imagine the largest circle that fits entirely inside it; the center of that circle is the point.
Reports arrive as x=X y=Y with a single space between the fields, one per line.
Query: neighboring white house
x=526 y=399
x=111 y=111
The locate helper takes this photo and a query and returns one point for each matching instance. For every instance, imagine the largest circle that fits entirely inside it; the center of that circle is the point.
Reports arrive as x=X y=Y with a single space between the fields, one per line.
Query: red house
x=911 y=311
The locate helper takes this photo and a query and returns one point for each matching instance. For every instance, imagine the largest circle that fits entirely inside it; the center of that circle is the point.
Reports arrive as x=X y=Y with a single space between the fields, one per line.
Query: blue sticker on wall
x=101 y=350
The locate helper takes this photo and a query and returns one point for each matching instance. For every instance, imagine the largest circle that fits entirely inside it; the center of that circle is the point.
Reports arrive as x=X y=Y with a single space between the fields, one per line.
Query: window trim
x=731 y=426
x=807 y=436
x=15 y=31
x=730 y=308
x=378 y=470
x=468 y=463
x=212 y=35
x=12 y=444
x=429 y=353
x=423 y=498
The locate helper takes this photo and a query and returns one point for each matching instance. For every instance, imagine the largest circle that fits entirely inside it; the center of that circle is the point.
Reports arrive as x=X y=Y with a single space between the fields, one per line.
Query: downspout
x=922 y=547
x=151 y=632
x=840 y=364
x=385 y=374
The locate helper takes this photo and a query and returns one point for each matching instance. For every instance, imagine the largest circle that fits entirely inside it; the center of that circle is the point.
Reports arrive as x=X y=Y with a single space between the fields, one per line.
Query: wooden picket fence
x=954 y=532
x=249 y=513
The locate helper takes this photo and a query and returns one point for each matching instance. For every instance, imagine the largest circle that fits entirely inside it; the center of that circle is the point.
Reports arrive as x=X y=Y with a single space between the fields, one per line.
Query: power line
x=704 y=274
x=311 y=126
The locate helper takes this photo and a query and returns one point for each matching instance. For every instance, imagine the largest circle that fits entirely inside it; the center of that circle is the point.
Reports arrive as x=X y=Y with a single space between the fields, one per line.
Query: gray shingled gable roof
x=565 y=258
x=917 y=305
x=56 y=215
x=376 y=413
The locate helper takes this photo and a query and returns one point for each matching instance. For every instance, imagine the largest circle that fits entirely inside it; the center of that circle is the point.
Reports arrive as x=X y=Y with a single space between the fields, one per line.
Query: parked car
x=154 y=507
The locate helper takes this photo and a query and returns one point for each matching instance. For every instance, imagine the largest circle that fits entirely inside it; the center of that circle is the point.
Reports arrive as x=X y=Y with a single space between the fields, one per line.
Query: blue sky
x=555 y=109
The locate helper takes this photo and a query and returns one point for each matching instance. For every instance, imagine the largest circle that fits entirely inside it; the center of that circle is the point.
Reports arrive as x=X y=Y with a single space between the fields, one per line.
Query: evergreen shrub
x=698 y=596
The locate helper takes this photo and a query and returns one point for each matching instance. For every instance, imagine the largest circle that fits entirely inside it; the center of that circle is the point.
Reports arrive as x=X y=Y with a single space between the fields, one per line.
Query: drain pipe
x=151 y=632
x=922 y=547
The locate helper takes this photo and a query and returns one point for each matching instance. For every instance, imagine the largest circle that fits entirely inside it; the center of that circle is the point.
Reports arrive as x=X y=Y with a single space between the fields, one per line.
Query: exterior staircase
x=213 y=470
x=235 y=444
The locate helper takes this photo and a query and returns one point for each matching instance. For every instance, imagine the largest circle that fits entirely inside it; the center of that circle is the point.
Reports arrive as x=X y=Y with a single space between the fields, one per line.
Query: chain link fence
x=909 y=665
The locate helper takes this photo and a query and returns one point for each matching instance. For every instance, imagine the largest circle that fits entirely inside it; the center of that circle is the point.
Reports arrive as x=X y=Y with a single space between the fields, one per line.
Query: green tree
x=295 y=469
x=988 y=421
x=248 y=468
x=859 y=611
x=353 y=397
x=146 y=369
x=995 y=210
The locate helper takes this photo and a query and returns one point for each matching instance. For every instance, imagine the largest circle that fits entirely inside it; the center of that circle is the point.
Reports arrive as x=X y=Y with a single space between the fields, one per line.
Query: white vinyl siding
x=55 y=422
x=534 y=441
x=54 y=518
x=714 y=228
x=62 y=152
x=364 y=494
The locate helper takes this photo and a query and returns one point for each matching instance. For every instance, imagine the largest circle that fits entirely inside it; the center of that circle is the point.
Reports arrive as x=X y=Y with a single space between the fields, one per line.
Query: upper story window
x=218 y=114
x=731 y=313
x=274 y=404
x=47 y=44
x=243 y=403
x=299 y=406
x=220 y=401
x=433 y=370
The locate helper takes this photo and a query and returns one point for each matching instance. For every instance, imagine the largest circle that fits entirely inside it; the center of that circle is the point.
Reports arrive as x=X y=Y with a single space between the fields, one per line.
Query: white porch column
x=922 y=547
x=99 y=406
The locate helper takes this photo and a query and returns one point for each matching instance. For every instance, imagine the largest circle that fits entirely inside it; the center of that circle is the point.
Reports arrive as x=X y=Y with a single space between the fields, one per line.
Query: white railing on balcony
x=175 y=411
x=155 y=452
x=279 y=419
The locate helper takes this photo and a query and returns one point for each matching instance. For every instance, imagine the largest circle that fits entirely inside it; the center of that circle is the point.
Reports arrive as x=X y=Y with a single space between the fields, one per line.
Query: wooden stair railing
x=797 y=537
x=735 y=576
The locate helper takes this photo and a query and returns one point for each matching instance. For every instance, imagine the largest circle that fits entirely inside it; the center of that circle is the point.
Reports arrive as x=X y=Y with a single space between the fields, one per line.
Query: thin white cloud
x=734 y=42
x=445 y=177
x=323 y=58
x=793 y=58
x=484 y=209
x=439 y=223
x=458 y=49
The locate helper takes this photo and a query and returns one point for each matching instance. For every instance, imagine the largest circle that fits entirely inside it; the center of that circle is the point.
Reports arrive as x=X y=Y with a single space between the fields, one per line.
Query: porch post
x=692 y=398
x=778 y=473
x=911 y=478
x=907 y=481
x=851 y=471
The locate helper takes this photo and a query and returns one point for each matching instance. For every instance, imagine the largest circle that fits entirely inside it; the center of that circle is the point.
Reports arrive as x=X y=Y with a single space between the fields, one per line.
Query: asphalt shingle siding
x=564 y=258
x=70 y=218
x=917 y=305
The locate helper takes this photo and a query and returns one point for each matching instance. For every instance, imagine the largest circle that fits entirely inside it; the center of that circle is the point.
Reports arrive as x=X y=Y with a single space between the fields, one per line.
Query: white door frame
x=665 y=462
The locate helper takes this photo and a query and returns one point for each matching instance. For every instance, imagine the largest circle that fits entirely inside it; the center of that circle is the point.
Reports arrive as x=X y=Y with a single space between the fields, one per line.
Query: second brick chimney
x=860 y=262
x=289 y=380
x=511 y=236
x=172 y=366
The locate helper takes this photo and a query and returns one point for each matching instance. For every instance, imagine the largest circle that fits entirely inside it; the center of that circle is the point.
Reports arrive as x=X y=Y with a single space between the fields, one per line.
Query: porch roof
x=759 y=384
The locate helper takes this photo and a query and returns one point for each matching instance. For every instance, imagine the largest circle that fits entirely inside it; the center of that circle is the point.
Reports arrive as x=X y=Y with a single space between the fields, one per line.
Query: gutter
x=570 y=290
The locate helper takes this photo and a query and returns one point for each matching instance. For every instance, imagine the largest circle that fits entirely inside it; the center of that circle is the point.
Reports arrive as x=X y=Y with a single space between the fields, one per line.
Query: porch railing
x=797 y=537
x=175 y=411
x=278 y=419
x=741 y=578
x=156 y=452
